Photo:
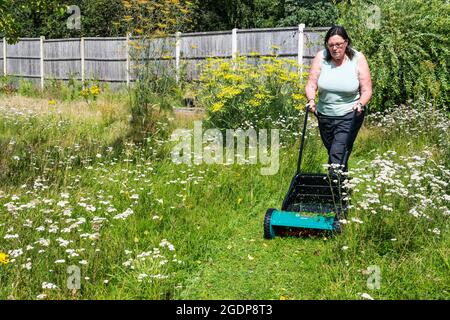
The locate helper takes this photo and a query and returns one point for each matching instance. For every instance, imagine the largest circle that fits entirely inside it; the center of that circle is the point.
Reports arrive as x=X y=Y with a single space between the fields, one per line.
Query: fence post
x=82 y=60
x=300 y=50
x=177 y=55
x=4 y=56
x=41 y=49
x=234 y=46
x=128 y=65
x=234 y=43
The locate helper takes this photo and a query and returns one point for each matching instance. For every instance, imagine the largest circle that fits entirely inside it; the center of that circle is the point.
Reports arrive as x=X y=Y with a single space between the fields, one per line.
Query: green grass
x=213 y=216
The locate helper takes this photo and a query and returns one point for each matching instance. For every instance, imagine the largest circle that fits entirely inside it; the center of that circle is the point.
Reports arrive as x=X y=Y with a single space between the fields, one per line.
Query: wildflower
x=366 y=296
x=217 y=106
x=4 y=258
x=62 y=204
x=436 y=231
x=356 y=220
x=27 y=266
x=11 y=236
x=48 y=285
x=52 y=102
x=15 y=253
x=124 y=215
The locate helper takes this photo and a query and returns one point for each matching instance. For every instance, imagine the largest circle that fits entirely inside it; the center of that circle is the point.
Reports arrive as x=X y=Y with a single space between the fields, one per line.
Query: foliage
x=12 y=25
x=148 y=22
x=7 y=85
x=408 y=54
x=90 y=93
x=75 y=192
x=103 y=17
x=212 y=15
x=241 y=94
x=319 y=13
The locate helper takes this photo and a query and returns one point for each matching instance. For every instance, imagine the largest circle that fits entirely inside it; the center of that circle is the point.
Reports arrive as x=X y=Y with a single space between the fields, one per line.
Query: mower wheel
x=269 y=232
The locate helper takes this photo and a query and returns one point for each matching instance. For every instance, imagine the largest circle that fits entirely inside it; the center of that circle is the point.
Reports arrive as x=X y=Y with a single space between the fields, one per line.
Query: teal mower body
x=314 y=202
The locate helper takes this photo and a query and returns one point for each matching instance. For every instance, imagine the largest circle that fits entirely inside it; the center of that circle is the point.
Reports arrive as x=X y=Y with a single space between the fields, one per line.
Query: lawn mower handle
x=300 y=154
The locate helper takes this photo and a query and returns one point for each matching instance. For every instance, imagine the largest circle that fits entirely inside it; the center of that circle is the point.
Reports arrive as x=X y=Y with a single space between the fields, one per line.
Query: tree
x=313 y=13
x=11 y=27
x=227 y=14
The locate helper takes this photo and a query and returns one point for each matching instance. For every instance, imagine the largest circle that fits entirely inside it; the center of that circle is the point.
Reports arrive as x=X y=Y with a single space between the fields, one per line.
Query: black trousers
x=338 y=136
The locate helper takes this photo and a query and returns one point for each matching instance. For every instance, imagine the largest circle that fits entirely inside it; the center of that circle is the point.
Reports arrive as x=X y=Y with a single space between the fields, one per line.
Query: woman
x=341 y=75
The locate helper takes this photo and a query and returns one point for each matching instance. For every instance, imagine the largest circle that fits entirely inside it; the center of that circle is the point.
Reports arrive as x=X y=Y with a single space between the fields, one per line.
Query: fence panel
x=105 y=59
x=23 y=59
x=62 y=59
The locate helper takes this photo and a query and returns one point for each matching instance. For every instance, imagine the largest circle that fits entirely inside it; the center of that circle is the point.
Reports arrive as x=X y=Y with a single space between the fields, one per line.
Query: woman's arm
x=311 y=85
x=365 y=81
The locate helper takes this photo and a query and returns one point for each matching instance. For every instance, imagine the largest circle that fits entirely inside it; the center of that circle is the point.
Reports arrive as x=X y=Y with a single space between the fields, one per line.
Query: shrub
x=7 y=85
x=408 y=54
x=240 y=94
x=28 y=89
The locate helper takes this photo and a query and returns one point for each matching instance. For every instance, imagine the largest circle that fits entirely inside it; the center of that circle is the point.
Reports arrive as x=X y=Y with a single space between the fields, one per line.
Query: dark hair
x=340 y=31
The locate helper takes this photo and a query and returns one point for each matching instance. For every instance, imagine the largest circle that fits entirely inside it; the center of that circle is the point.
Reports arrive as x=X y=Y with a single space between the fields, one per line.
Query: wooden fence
x=108 y=59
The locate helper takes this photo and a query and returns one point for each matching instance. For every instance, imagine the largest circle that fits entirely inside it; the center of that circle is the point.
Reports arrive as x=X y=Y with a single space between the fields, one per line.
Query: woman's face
x=337 y=45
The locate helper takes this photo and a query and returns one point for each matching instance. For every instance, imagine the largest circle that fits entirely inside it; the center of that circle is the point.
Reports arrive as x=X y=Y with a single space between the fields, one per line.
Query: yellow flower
x=126 y=4
x=233 y=77
x=260 y=96
x=284 y=78
x=4 y=258
x=269 y=69
x=95 y=90
x=297 y=96
x=85 y=92
x=217 y=106
x=127 y=18
x=52 y=102
x=254 y=103
x=229 y=92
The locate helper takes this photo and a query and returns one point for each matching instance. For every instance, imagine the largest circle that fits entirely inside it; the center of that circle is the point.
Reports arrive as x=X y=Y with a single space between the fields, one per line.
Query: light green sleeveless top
x=338 y=86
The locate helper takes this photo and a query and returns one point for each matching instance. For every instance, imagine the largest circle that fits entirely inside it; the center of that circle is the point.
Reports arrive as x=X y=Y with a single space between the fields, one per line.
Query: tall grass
x=138 y=226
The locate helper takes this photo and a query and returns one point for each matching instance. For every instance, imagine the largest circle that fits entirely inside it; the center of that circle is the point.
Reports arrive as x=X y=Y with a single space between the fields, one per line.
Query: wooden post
x=4 y=57
x=42 y=60
x=234 y=48
x=300 y=49
x=177 y=55
x=128 y=66
x=82 y=60
x=234 y=43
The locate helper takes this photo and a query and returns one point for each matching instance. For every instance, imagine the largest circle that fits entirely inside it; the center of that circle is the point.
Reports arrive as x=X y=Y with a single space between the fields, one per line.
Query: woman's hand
x=359 y=108
x=312 y=106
